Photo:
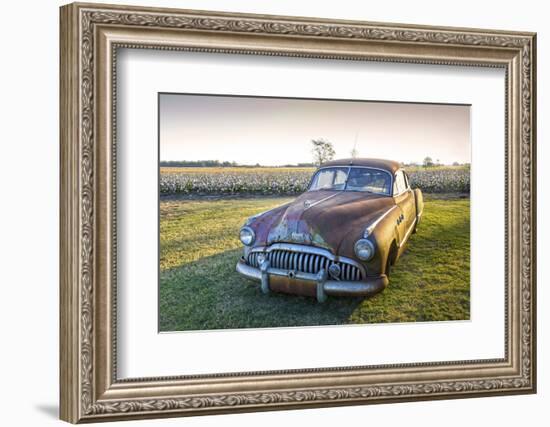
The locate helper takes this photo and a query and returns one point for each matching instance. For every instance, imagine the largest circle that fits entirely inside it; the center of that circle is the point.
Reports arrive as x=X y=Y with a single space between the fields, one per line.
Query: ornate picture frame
x=90 y=37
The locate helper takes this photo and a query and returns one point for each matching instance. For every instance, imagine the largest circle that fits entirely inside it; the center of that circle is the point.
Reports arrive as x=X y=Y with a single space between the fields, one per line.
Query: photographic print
x=288 y=212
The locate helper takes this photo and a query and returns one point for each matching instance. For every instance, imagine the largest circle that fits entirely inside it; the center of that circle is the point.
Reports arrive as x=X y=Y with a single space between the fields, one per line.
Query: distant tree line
x=196 y=163
x=299 y=165
x=428 y=162
x=218 y=164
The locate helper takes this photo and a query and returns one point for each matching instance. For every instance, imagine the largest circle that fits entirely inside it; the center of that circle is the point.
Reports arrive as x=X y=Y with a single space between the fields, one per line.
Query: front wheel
x=391 y=259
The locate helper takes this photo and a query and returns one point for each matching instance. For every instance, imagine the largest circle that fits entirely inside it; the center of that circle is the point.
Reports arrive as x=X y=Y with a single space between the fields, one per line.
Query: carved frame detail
x=86 y=397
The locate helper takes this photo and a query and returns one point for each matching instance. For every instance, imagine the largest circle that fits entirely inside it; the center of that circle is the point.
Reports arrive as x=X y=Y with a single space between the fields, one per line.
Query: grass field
x=199 y=288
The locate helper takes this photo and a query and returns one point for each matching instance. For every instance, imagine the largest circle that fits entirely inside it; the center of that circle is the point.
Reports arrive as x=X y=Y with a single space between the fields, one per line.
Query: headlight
x=247 y=236
x=364 y=249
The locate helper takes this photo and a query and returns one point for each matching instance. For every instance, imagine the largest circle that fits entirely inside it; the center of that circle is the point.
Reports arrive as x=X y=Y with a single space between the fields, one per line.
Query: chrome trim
x=364 y=289
x=320 y=291
x=335 y=270
x=253 y=235
x=316 y=265
x=265 y=277
x=306 y=207
x=407 y=234
x=249 y=271
x=292 y=247
x=369 y=243
x=324 y=287
x=370 y=228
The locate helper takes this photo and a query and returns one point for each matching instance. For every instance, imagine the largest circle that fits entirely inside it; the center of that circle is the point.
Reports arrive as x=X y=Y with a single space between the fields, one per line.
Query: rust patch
x=292 y=286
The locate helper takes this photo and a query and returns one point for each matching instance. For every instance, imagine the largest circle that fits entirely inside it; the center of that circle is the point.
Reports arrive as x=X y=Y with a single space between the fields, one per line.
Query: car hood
x=322 y=218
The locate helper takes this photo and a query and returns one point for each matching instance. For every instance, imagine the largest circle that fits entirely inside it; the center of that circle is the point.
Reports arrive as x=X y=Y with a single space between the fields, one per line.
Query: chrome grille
x=305 y=262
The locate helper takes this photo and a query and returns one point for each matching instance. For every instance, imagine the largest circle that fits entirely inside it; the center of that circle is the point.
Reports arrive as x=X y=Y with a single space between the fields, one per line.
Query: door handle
x=400 y=218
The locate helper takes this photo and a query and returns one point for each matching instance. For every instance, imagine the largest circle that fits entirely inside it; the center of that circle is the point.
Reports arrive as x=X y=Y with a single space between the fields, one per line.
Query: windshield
x=352 y=179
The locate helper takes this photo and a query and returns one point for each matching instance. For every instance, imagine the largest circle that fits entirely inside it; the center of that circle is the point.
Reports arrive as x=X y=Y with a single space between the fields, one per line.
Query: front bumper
x=297 y=282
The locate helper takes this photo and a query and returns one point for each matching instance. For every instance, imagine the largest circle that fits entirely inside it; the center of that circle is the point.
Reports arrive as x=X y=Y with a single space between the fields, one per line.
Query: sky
x=278 y=131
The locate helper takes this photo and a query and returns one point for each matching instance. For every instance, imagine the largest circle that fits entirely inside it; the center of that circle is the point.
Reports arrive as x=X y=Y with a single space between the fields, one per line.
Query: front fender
x=382 y=236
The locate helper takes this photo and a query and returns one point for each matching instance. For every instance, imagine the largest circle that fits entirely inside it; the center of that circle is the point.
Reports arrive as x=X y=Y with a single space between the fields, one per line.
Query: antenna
x=354 y=150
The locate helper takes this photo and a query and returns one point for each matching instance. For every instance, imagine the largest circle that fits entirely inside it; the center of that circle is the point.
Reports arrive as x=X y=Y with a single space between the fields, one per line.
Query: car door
x=404 y=199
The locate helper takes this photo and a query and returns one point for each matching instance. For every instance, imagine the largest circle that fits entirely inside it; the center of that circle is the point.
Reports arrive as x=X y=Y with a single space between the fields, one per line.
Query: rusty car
x=340 y=237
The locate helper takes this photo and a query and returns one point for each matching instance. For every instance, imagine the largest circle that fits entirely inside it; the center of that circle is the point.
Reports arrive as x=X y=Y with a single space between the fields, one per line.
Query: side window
x=399 y=185
x=407 y=183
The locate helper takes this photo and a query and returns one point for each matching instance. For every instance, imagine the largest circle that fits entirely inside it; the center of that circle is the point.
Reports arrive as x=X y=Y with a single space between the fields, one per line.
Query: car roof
x=388 y=165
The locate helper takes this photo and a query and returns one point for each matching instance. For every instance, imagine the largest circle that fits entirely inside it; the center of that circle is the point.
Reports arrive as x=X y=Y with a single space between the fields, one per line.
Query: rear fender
x=419 y=203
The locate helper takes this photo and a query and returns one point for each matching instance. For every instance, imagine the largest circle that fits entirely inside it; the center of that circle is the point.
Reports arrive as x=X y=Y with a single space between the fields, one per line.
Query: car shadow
x=209 y=294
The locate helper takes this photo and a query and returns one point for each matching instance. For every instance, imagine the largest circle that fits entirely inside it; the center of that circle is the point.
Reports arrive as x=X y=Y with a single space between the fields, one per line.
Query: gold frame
x=90 y=36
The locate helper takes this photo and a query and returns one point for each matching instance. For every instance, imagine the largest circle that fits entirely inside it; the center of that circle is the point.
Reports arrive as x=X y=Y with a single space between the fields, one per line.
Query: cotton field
x=289 y=181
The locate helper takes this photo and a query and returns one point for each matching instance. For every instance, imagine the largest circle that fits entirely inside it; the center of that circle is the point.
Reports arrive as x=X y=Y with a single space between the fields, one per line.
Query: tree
x=428 y=162
x=322 y=150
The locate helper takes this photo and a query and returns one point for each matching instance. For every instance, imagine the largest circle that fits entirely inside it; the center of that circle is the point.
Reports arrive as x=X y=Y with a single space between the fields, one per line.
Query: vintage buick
x=340 y=237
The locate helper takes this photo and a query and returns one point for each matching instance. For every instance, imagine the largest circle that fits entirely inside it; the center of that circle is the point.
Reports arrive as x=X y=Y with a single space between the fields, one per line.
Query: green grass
x=199 y=288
